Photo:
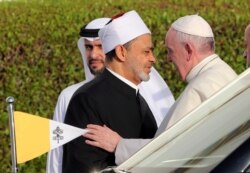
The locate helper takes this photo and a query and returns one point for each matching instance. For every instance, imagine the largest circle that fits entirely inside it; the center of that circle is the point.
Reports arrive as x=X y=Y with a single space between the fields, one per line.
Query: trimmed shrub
x=39 y=55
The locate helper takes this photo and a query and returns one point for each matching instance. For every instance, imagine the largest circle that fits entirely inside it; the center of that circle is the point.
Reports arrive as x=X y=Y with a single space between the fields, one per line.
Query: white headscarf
x=88 y=75
x=95 y=24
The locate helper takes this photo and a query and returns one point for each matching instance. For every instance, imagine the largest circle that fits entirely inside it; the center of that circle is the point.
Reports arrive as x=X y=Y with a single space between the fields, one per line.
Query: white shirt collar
x=196 y=70
x=124 y=79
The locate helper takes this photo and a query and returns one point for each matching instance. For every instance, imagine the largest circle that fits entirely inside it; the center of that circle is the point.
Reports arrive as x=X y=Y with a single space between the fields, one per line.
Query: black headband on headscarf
x=88 y=32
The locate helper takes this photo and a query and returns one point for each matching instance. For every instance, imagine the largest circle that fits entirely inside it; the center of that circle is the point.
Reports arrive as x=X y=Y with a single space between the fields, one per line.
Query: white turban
x=193 y=25
x=122 y=30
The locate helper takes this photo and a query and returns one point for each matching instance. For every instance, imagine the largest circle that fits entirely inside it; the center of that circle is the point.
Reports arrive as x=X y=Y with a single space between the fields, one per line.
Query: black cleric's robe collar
x=117 y=83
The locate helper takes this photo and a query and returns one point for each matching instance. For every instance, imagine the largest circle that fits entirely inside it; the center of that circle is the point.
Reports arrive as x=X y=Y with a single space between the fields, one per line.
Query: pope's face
x=95 y=56
x=140 y=58
x=176 y=54
x=247 y=43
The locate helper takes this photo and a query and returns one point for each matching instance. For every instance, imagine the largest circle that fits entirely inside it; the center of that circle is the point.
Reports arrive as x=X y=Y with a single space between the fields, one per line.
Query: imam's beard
x=143 y=76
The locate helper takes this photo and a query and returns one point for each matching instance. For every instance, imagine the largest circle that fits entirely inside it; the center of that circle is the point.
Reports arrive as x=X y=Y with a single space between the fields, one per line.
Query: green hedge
x=39 y=55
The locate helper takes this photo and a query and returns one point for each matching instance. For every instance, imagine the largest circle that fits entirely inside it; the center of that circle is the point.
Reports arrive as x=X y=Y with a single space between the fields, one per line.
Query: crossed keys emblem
x=58 y=132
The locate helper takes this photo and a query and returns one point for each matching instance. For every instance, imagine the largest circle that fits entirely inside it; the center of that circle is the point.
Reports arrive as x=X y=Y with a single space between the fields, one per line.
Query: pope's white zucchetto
x=193 y=25
x=122 y=30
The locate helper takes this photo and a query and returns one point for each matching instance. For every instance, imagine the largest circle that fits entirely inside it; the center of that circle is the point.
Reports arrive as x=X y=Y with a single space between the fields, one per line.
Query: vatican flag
x=36 y=135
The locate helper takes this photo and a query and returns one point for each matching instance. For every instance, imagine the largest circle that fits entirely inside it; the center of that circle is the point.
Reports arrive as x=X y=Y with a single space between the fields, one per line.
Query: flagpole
x=10 y=108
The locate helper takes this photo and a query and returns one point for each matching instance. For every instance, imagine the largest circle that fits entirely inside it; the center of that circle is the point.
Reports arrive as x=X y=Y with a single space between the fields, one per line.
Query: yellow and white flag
x=36 y=135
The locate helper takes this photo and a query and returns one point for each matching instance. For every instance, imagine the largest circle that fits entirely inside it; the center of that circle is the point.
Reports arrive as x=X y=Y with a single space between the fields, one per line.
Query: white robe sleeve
x=126 y=148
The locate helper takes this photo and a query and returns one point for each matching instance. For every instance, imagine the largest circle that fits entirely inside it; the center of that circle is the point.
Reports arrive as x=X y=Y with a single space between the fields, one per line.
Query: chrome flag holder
x=10 y=108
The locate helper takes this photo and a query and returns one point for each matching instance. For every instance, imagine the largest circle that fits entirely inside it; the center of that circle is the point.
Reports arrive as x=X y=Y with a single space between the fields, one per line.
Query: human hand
x=102 y=137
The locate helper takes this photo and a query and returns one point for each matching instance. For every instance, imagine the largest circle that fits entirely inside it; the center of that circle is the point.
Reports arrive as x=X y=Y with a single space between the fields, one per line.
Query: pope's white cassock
x=206 y=78
x=155 y=92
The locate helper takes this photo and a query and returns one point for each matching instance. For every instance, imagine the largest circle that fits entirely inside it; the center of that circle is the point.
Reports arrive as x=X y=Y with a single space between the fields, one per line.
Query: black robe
x=105 y=100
